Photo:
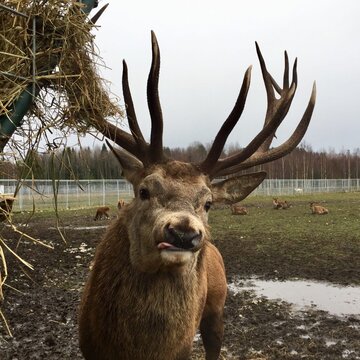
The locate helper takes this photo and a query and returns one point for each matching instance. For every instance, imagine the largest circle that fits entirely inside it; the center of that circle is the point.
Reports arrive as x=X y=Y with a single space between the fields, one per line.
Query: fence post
x=67 y=194
x=89 y=193
x=103 y=188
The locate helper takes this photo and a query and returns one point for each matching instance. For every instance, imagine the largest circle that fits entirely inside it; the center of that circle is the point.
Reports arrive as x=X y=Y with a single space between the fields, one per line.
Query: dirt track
x=42 y=316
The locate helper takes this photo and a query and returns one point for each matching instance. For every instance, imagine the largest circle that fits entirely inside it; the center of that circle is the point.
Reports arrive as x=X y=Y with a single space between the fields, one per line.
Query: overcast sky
x=206 y=46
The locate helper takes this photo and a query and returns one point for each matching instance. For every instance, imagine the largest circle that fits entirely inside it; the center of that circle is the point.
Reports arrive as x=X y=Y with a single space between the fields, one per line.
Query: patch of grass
x=270 y=243
x=293 y=242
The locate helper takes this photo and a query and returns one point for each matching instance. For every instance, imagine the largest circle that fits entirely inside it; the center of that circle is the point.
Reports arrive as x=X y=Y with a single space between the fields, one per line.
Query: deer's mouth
x=192 y=246
x=175 y=239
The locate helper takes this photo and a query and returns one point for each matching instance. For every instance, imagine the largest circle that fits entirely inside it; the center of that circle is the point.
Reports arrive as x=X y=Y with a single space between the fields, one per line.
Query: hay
x=47 y=47
x=72 y=95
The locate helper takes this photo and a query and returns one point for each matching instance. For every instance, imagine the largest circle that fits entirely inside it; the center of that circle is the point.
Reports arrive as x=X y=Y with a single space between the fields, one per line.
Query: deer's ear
x=130 y=165
x=237 y=188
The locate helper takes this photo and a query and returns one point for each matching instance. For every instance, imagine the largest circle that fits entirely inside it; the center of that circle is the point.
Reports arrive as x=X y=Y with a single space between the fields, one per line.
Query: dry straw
x=49 y=45
x=60 y=58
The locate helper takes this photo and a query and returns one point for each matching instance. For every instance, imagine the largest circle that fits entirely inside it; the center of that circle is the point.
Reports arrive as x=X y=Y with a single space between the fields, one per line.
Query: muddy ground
x=41 y=305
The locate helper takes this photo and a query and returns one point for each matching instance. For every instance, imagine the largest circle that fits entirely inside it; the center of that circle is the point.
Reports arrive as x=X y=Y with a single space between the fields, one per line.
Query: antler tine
x=276 y=112
x=133 y=143
x=96 y=17
x=281 y=150
x=156 y=146
x=221 y=137
x=269 y=82
x=130 y=112
x=270 y=85
x=286 y=71
x=295 y=78
x=120 y=137
x=255 y=144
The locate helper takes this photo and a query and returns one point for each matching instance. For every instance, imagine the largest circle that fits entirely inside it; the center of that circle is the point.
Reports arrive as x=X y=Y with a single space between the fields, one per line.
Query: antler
x=135 y=142
x=255 y=153
x=258 y=150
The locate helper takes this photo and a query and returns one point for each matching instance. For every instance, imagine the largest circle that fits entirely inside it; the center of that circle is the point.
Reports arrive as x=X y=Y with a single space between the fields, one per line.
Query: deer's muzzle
x=177 y=239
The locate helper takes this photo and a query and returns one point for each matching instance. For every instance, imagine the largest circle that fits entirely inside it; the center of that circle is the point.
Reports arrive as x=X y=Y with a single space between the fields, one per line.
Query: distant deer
x=120 y=204
x=157 y=277
x=6 y=205
x=237 y=209
x=102 y=212
x=285 y=205
x=277 y=204
x=318 y=209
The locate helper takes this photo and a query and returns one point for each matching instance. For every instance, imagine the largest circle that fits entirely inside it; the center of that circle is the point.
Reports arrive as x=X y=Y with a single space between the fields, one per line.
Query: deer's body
x=318 y=209
x=278 y=204
x=143 y=301
x=157 y=277
x=237 y=209
x=285 y=205
x=102 y=212
x=6 y=205
x=157 y=314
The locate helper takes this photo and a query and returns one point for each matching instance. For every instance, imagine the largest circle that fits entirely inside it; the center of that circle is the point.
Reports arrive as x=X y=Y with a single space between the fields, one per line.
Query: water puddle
x=90 y=227
x=81 y=227
x=337 y=300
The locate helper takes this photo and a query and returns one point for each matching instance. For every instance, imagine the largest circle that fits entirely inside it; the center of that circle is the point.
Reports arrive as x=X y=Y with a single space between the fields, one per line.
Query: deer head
x=159 y=181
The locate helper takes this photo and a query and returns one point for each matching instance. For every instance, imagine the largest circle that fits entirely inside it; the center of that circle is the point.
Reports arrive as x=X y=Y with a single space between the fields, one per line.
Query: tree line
x=100 y=163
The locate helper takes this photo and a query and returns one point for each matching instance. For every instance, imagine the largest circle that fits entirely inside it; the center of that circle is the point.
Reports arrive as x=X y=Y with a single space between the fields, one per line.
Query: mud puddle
x=80 y=227
x=305 y=294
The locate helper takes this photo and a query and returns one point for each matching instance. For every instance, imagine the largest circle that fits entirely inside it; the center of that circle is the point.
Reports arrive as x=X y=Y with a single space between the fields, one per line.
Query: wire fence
x=66 y=194
x=306 y=186
x=70 y=194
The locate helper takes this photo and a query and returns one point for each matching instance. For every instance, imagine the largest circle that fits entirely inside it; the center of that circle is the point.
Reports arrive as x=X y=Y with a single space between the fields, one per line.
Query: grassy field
x=276 y=243
x=294 y=242
x=41 y=305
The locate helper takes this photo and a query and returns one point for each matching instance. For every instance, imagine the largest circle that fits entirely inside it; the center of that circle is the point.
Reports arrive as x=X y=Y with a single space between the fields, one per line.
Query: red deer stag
x=157 y=277
x=278 y=204
x=237 y=209
x=318 y=209
x=6 y=205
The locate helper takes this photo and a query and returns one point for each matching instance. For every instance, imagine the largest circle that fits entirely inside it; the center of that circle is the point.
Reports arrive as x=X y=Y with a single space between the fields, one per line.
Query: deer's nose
x=181 y=238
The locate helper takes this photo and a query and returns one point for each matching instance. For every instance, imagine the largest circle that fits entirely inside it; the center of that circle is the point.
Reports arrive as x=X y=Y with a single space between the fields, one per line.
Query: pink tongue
x=164 y=245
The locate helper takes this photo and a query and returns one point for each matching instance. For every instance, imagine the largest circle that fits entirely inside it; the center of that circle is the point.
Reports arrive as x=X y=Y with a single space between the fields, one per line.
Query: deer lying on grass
x=102 y=212
x=157 y=277
x=278 y=204
x=318 y=209
x=6 y=205
x=237 y=209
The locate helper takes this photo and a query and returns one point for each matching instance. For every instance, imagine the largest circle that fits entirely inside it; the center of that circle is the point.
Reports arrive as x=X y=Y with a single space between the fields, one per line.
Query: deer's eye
x=144 y=194
x=207 y=206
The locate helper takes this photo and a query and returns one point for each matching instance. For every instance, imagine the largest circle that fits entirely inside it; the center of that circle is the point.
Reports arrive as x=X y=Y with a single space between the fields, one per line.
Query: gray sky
x=206 y=46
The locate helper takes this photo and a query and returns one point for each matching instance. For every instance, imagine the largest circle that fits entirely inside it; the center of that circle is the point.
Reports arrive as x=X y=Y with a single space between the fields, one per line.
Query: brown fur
x=143 y=302
x=278 y=204
x=156 y=276
x=237 y=209
x=102 y=212
x=317 y=209
x=6 y=204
